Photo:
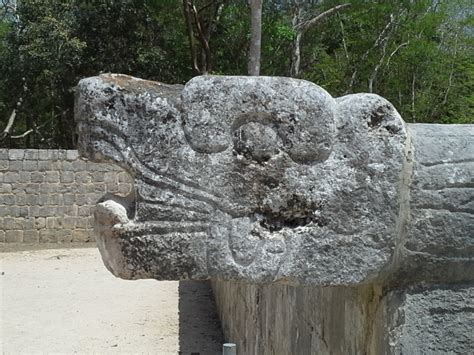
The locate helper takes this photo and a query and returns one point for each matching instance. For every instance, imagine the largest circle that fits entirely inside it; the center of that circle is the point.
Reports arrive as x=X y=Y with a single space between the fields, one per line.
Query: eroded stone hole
x=297 y=213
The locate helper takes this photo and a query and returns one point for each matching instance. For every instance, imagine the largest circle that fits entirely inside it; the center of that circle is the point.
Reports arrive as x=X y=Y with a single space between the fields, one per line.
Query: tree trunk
x=301 y=27
x=296 y=56
x=256 y=37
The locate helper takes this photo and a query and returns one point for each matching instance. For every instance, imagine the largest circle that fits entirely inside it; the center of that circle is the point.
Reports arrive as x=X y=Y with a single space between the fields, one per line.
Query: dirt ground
x=65 y=301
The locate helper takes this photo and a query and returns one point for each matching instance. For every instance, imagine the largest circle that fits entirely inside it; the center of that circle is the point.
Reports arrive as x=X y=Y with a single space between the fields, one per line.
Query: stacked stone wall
x=48 y=196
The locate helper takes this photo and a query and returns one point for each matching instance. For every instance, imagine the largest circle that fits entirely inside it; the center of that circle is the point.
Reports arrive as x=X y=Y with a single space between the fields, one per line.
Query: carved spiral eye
x=256 y=141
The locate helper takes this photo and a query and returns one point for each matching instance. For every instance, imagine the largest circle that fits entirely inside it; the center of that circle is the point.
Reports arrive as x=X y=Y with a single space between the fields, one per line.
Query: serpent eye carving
x=256 y=141
x=250 y=118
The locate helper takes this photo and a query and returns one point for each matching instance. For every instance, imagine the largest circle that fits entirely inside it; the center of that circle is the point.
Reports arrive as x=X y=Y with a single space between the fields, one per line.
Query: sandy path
x=65 y=301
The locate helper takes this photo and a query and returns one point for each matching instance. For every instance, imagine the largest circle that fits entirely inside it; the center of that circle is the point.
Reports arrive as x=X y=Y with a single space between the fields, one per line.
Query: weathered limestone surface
x=255 y=179
x=304 y=320
x=317 y=218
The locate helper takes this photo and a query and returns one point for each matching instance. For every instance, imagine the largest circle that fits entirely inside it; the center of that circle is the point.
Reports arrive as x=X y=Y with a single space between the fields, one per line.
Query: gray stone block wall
x=47 y=196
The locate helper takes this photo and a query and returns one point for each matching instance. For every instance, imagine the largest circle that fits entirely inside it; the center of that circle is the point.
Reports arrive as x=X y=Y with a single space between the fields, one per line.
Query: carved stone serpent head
x=254 y=178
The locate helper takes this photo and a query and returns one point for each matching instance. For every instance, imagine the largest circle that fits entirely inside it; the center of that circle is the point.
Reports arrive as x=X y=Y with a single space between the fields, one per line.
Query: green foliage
x=422 y=63
x=425 y=69
x=55 y=44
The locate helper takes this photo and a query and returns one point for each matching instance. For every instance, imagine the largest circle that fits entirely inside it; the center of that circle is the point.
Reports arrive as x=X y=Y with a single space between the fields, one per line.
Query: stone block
x=32 y=199
x=32 y=188
x=16 y=165
x=14 y=236
x=25 y=177
x=5 y=188
x=436 y=319
x=23 y=211
x=83 y=177
x=27 y=223
x=43 y=154
x=3 y=154
x=20 y=199
x=81 y=235
x=84 y=211
x=57 y=154
x=46 y=211
x=2 y=236
x=44 y=165
x=82 y=223
x=55 y=199
x=30 y=165
x=19 y=188
x=98 y=176
x=16 y=154
x=40 y=223
x=50 y=222
x=79 y=165
x=111 y=177
x=71 y=211
x=31 y=154
x=92 y=198
x=43 y=199
x=7 y=199
x=33 y=211
x=67 y=177
x=11 y=177
x=81 y=199
x=112 y=188
x=61 y=211
x=48 y=236
x=69 y=199
x=9 y=210
x=65 y=188
x=67 y=166
x=4 y=164
x=37 y=177
x=124 y=177
x=100 y=188
x=10 y=223
x=64 y=236
x=72 y=155
x=52 y=177
x=84 y=188
x=124 y=189
x=69 y=222
x=47 y=188
x=30 y=236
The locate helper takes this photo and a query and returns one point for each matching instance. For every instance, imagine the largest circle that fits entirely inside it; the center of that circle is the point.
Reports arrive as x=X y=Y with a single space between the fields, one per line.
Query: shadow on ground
x=200 y=330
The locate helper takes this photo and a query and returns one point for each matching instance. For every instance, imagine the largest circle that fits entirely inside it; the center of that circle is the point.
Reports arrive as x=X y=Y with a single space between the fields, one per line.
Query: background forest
x=416 y=53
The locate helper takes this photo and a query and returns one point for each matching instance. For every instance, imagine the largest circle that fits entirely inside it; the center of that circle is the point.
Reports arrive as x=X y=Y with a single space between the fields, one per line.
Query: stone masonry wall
x=47 y=196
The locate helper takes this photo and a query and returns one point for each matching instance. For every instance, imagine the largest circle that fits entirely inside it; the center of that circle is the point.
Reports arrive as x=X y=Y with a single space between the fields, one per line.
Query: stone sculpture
x=265 y=180
x=269 y=179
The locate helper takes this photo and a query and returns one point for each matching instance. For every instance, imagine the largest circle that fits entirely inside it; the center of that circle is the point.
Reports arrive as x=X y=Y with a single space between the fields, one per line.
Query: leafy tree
x=54 y=44
x=416 y=54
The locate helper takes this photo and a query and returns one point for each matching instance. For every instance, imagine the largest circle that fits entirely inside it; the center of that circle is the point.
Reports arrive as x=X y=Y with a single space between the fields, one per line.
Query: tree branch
x=305 y=26
x=202 y=39
x=396 y=50
x=9 y=126
x=22 y=135
x=344 y=44
x=189 y=27
x=451 y=74
x=382 y=36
